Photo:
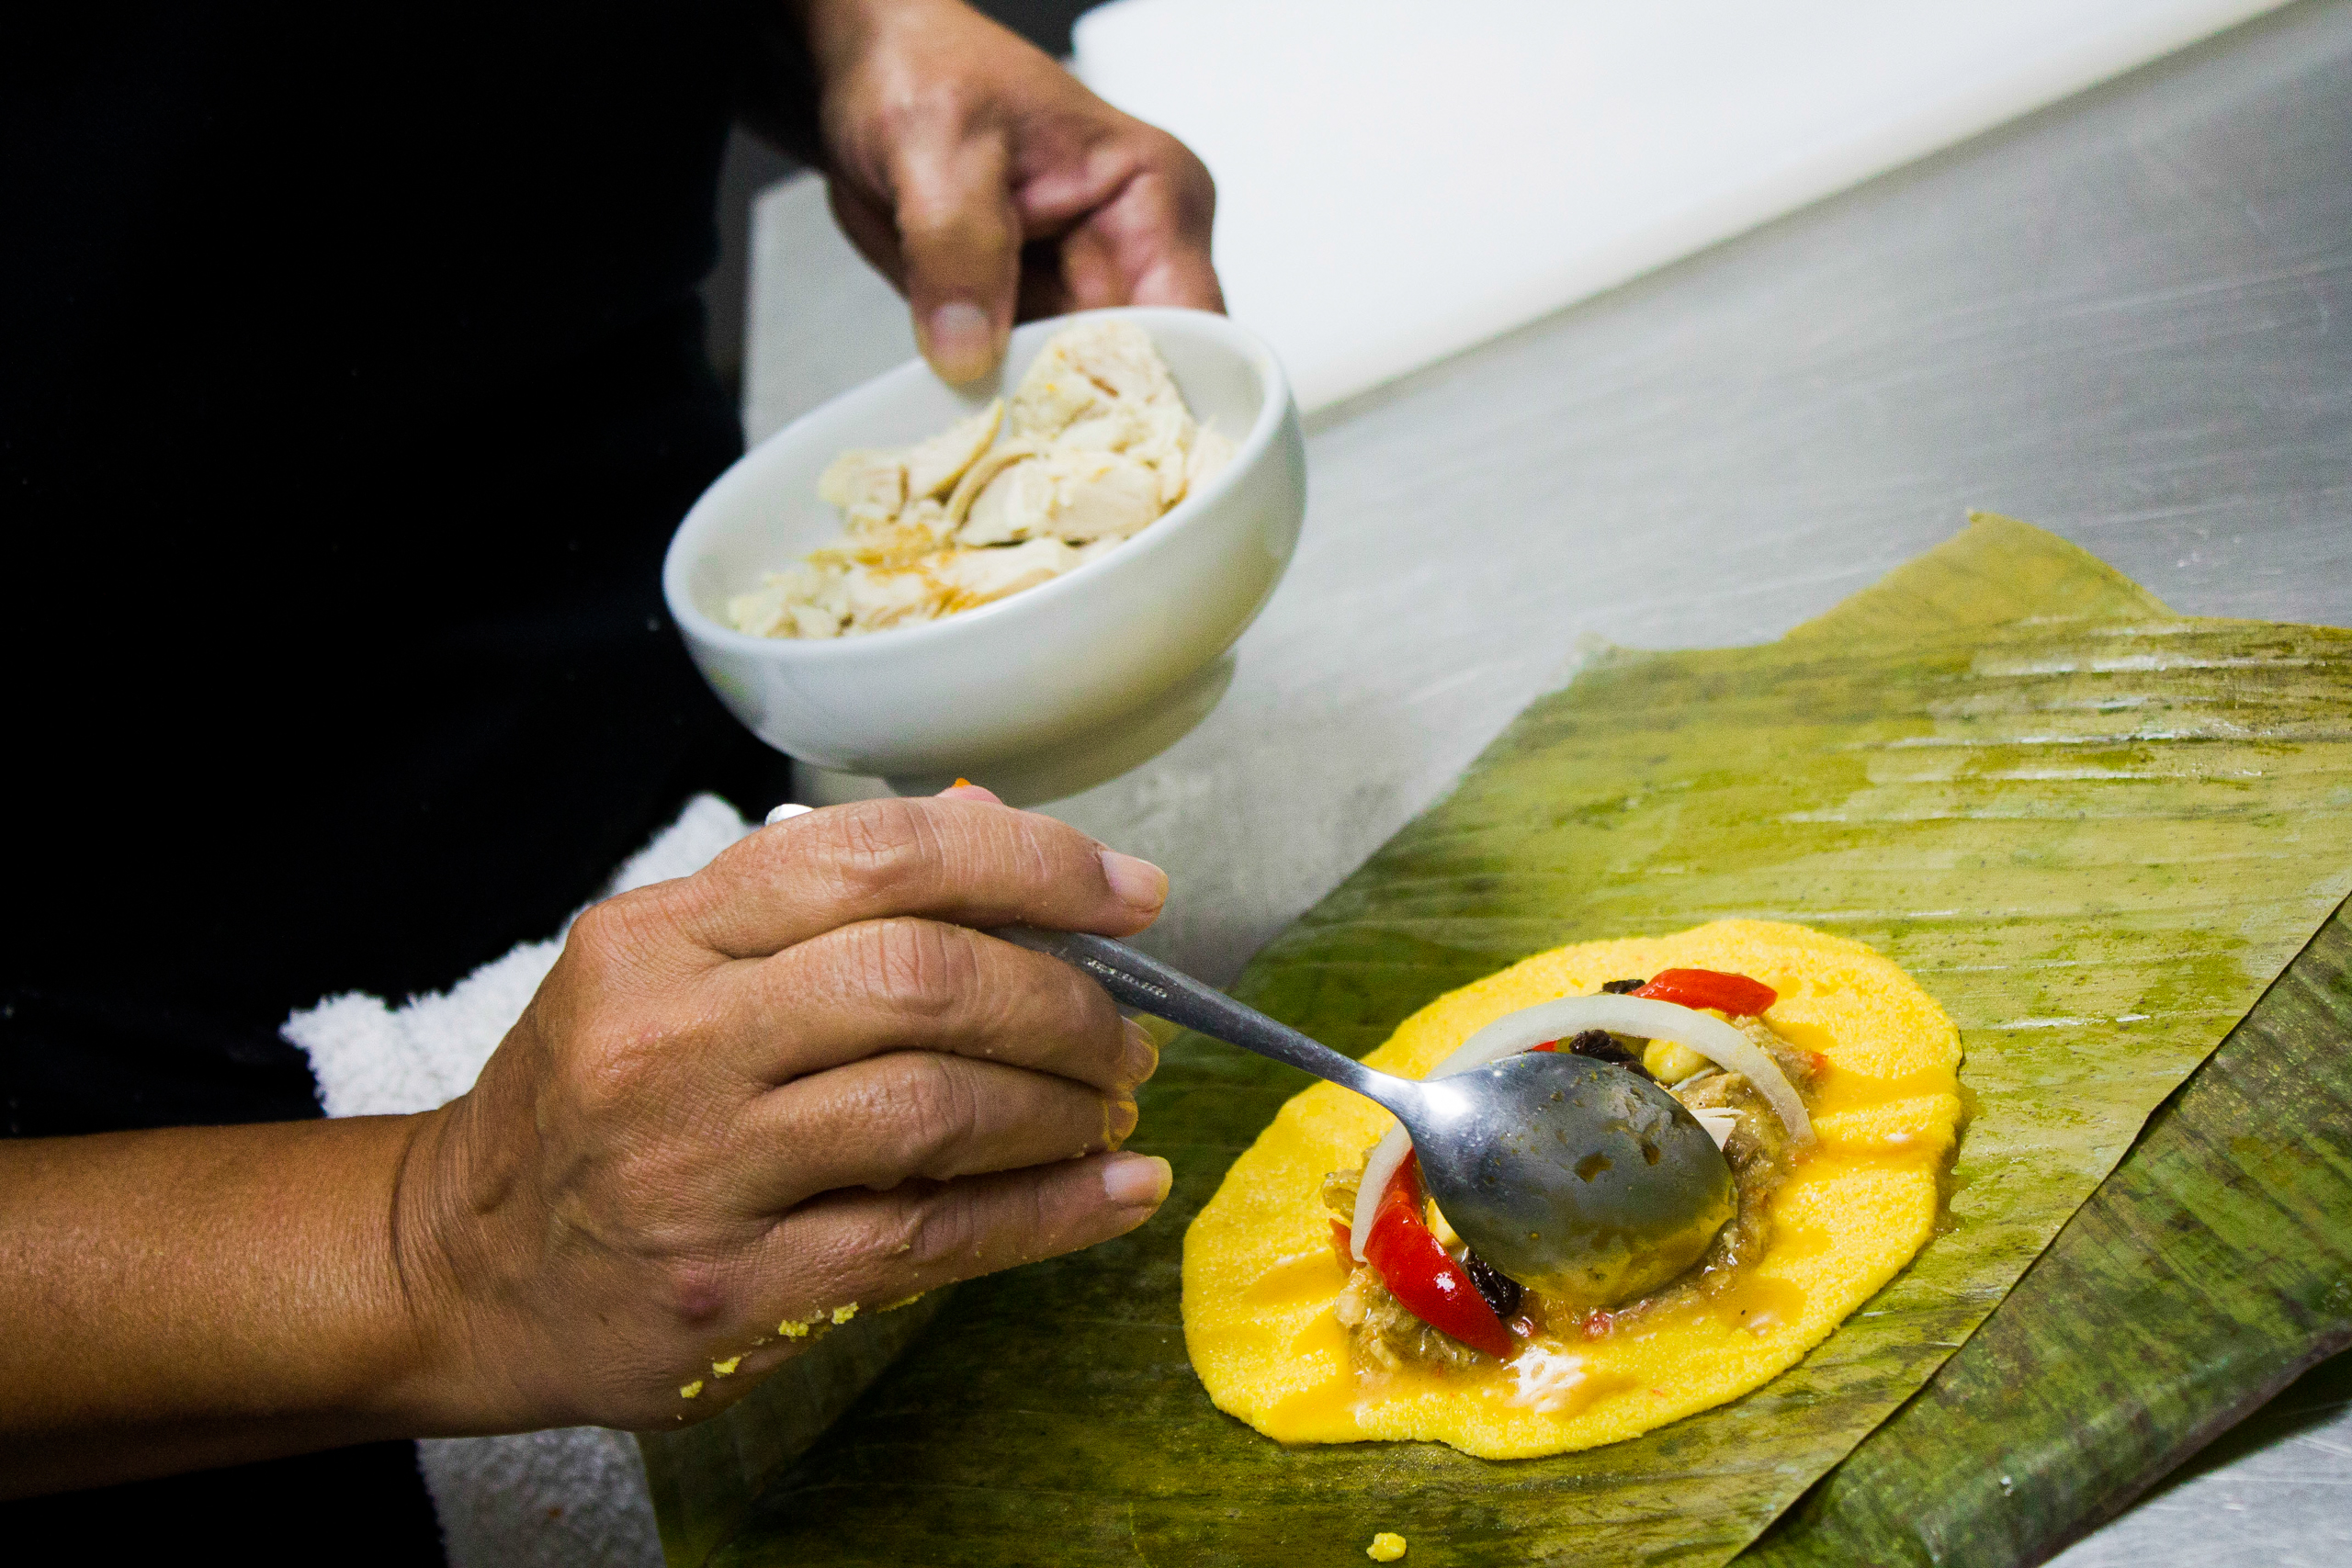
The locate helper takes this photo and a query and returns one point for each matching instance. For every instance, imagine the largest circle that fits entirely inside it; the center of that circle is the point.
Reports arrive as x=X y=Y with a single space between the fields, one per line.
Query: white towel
x=573 y=1498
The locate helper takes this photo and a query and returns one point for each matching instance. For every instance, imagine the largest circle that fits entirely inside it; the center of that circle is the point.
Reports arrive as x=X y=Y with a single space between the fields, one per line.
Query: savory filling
x=1420 y=1297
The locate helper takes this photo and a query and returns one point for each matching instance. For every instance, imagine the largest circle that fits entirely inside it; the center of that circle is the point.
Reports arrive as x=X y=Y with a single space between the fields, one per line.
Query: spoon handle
x=1148 y=986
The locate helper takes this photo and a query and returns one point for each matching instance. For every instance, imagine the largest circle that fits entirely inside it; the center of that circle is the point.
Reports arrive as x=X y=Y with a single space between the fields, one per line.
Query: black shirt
x=351 y=384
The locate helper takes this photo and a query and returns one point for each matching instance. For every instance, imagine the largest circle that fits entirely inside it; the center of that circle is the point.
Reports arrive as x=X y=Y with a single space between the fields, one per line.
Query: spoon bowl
x=1576 y=1178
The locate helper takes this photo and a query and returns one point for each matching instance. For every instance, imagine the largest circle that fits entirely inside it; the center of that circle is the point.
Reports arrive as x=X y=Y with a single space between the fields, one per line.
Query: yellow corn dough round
x=1261 y=1278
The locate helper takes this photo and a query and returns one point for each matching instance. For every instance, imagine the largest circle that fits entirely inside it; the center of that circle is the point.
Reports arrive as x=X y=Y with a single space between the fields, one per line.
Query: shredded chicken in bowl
x=1094 y=446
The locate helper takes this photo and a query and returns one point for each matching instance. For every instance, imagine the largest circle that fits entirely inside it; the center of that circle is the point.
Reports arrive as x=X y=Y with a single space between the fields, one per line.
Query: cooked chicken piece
x=1120 y=426
x=873 y=486
x=1084 y=366
x=976 y=478
x=861 y=479
x=1159 y=435
x=1098 y=445
x=1079 y=496
x=803 y=600
x=979 y=576
x=934 y=465
x=868 y=519
x=890 y=596
x=810 y=621
x=914 y=533
x=765 y=610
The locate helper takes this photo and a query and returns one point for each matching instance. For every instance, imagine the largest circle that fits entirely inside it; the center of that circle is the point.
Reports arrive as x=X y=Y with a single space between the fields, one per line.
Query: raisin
x=1623 y=988
x=1601 y=1047
x=1502 y=1291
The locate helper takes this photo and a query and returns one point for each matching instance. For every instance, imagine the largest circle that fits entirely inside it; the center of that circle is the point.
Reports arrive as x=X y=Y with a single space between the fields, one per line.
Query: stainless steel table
x=2126 y=319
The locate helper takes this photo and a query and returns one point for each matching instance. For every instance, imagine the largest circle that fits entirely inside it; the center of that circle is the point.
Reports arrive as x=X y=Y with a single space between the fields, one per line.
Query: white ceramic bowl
x=1043 y=668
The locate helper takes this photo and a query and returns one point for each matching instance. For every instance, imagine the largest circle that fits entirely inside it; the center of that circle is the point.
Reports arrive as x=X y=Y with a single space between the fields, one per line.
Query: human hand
x=983 y=180
x=748 y=1102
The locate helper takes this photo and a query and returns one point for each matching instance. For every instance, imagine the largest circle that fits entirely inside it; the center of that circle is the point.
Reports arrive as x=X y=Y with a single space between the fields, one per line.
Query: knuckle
x=847 y=1252
x=1050 y=1008
x=609 y=933
x=1163 y=150
x=1183 y=182
x=1190 y=169
x=933 y=1233
x=877 y=853
x=912 y=972
x=955 y=1234
x=1048 y=853
x=936 y=1108
x=930 y=109
x=758 y=855
x=924 y=969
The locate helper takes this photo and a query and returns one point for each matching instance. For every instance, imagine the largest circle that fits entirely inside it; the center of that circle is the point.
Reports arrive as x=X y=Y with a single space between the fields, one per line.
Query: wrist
x=466 y=1367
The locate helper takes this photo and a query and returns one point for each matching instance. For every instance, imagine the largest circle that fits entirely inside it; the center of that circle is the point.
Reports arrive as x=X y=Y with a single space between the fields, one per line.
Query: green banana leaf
x=704 y=1478
x=2209 y=1270
x=2094 y=831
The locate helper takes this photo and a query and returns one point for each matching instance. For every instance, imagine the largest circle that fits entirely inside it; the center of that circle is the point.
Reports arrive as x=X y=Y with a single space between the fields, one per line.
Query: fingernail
x=965 y=789
x=961 y=342
x=1123 y=1119
x=1141 y=885
x=1134 y=1181
x=1141 y=1059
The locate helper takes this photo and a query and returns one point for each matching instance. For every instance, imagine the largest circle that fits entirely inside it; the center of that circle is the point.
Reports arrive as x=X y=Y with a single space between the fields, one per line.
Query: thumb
x=961 y=240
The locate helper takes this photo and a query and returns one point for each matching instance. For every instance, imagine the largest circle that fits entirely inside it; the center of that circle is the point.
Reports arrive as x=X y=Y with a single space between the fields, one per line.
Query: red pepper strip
x=1735 y=994
x=1422 y=1275
x=1548 y=1046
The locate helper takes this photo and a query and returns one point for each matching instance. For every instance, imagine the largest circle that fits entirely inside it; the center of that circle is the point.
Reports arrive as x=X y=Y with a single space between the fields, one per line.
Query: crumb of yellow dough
x=726 y=1369
x=800 y=1328
x=689 y=1390
x=902 y=1302
x=1386 y=1547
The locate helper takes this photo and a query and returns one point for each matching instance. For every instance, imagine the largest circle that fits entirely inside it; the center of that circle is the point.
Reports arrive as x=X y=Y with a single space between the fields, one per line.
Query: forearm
x=205 y=1296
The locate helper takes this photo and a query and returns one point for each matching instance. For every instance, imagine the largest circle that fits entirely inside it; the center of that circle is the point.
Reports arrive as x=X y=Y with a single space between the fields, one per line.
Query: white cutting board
x=1399 y=179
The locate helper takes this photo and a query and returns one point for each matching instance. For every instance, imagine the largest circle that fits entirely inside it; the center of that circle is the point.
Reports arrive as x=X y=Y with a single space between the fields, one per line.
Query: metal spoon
x=1574 y=1176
